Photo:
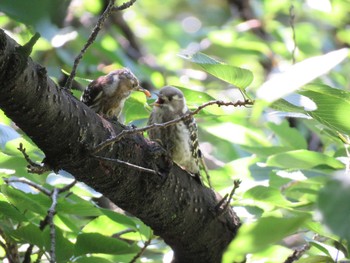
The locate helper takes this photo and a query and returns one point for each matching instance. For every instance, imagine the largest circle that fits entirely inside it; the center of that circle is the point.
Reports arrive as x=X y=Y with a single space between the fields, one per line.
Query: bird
x=180 y=140
x=107 y=94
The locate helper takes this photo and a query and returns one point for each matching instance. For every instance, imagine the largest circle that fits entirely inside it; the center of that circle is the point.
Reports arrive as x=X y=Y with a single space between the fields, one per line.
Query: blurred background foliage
x=291 y=153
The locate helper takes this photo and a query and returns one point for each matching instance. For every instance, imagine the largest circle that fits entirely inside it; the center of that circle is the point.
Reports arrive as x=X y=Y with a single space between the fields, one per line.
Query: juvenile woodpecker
x=181 y=138
x=107 y=94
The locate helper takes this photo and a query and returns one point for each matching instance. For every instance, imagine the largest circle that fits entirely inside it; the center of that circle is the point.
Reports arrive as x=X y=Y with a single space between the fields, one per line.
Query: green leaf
x=81 y=208
x=64 y=248
x=194 y=97
x=288 y=136
x=268 y=195
x=333 y=202
x=316 y=259
x=10 y=212
x=259 y=235
x=92 y=259
x=30 y=234
x=97 y=243
x=41 y=14
x=283 y=105
x=119 y=218
x=135 y=108
x=236 y=76
x=333 y=106
x=303 y=159
x=38 y=203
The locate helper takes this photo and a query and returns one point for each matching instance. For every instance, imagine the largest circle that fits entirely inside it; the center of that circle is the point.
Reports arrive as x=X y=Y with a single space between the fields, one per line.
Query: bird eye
x=160 y=101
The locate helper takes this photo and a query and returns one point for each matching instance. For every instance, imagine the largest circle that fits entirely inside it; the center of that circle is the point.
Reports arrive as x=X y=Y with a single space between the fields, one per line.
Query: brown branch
x=32 y=166
x=166 y=124
x=236 y=185
x=30 y=183
x=124 y=5
x=50 y=213
x=297 y=254
x=89 y=42
x=175 y=206
x=147 y=243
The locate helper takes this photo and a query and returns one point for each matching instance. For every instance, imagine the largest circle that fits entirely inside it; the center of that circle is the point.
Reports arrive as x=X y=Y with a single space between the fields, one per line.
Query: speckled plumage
x=107 y=94
x=180 y=139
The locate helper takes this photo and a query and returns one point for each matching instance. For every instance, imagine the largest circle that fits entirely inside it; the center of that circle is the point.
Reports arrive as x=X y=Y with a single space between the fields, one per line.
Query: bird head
x=124 y=81
x=171 y=99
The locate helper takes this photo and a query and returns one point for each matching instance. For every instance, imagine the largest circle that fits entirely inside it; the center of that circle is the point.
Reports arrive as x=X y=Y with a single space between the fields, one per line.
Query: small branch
x=91 y=39
x=297 y=254
x=134 y=166
x=236 y=185
x=124 y=5
x=32 y=166
x=51 y=213
x=126 y=231
x=27 y=48
x=292 y=22
x=147 y=243
x=30 y=183
x=67 y=187
x=165 y=124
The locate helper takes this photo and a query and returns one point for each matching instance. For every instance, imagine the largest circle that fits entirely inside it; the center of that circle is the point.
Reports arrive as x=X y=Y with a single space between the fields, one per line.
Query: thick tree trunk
x=172 y=203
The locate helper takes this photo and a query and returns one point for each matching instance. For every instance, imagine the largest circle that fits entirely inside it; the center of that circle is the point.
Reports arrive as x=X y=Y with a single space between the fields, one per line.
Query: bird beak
x=147 y=93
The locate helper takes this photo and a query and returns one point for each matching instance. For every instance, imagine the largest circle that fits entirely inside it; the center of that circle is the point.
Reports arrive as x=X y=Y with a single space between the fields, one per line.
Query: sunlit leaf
x=300 y=74
x=9 y=211
x=43 y=15
x=64 y=247
x=30 y=234
x=38 y=203
x=333 y=201
x=97 y=243
x=268 y=195
x=303 y=159
x=256 y=236
x=333 y=106
x=236 y=76
x=288 y=136
x=92 y=259
x=316 y=259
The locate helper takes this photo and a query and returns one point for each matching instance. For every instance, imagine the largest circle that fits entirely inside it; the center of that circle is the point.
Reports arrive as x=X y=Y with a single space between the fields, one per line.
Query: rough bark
x=172 y=203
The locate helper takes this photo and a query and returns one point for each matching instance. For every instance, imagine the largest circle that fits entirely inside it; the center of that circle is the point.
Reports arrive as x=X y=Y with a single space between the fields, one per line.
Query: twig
x=30 y=183
x=236 y=184
x=27 y=48
x=147 y=243
x=134 y=166
x=32 y=166
x=91 y=39
x=292 y=22
x=48 y=220
x=165 y=124
x=297 y=254
x=126 y=231
x=124 y=5
x=50 y=214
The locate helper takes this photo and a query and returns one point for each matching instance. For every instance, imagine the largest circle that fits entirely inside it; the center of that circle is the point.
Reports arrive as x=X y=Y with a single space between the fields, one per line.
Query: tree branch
x=170 y=201
x=89 y=42
x=172 y=122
